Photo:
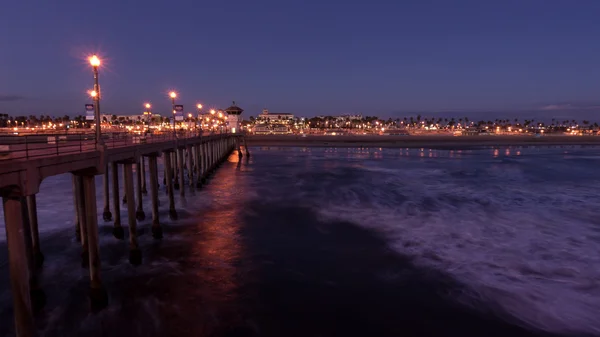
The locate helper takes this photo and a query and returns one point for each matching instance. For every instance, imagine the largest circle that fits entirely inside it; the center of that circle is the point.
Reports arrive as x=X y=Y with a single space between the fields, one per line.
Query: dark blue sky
x=489 y=58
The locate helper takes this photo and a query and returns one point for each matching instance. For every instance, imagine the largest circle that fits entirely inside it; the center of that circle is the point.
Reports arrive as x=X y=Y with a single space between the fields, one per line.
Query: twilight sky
x=488 y=58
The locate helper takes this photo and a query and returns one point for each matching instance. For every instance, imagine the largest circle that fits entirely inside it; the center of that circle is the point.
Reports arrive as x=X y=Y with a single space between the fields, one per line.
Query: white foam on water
x=529 y=247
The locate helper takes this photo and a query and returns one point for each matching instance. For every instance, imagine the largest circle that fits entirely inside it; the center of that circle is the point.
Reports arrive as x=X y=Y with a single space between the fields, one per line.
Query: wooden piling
x=175 y=174
x=80 y=202
x=38 y=257
x=139 y=212
x=156 y=228
x=135 y=255
x=143 y=170
x=106 y=215
x=98 y=295
x=19 y=271
x=169 y=172
x=180 y=154
x=77 y=224
x=118 y=231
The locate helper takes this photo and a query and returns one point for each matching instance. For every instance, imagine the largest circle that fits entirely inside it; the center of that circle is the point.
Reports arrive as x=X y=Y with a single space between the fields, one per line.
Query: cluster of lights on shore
x=213 y=122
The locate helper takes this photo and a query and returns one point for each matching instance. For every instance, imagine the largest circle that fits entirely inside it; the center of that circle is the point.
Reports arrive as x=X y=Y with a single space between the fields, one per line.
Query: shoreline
x=435 y=142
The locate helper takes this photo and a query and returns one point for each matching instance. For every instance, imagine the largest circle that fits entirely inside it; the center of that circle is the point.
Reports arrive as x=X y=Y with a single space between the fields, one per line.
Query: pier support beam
x=106 y=215
x=246 y=147
x=239 y=149
x=80 y=203
x=203 y=158
x=143 y=169
x=139 y=213
x=18 y=266
x=124 y=188
x=38 y=257
x=180 y=154
x=198 y=165
x=77 y=223
x=135 y=255
x=118 y=231
x=156 y=228
x=169 y=172
x=98 y=295
x=174 y=165
x=190 y=165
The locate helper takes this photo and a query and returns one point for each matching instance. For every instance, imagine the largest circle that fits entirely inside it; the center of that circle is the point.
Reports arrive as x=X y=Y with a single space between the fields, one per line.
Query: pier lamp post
x=95 y=63
x=148 y=114
x=173 y=95
x=199 y=119
x=212 y=112
x=93 y=95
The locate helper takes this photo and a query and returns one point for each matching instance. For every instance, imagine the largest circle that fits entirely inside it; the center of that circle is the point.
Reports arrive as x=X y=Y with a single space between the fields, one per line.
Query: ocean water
x=328 y=242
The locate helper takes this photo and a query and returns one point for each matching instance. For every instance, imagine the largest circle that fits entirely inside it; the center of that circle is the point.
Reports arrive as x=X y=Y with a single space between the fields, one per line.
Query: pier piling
x=143 y=170
x=18 y=266
x=156 y=228
x=38 y=257
x=190 y=165
x=169 y=172
x=139 y=213
x=80 y=202
x=180 y=160
x=246 y=147
x=198 y=166
x=106 y=215
x=118 y=231
x=77 y=224
x=97 y=294
x=135 y=255
x=175 y=174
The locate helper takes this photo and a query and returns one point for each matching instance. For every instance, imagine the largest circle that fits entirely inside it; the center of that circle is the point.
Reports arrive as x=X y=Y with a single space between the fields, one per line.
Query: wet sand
x=429 y=141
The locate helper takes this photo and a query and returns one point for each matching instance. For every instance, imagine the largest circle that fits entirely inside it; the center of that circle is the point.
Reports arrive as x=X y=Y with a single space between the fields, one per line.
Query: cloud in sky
x=569 y=106
x=11 y=98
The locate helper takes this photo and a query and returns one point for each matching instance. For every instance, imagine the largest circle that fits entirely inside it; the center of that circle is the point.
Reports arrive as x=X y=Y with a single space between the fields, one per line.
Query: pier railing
x=13 y=147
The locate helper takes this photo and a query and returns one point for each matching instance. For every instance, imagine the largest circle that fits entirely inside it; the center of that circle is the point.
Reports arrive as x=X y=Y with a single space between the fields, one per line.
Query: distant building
x=343 y=118
x=133 y=118
x=271 y=129
x=262 y=129
x=275 y=117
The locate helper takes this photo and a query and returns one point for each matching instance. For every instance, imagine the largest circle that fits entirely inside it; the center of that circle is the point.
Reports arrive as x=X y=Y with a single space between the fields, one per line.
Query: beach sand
x=429 y=141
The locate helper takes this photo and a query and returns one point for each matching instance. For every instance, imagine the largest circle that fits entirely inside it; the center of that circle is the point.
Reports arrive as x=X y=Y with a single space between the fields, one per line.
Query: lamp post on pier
x=199 y=119
x=95 y=63
x=148 y=114
x=173 y=95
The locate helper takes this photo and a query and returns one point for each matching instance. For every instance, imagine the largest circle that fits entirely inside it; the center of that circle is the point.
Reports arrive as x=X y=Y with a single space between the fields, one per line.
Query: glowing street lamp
x=199 y=107
x=95 y=63
x=148 y=114
x=173 y=95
